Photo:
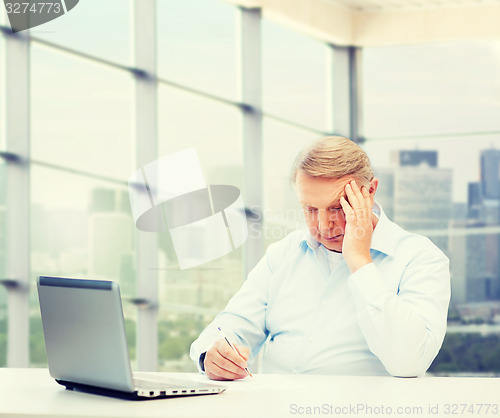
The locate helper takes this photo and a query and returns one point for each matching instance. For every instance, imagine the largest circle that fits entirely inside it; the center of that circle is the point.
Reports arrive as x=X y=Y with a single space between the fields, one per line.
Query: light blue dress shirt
x=302 y=304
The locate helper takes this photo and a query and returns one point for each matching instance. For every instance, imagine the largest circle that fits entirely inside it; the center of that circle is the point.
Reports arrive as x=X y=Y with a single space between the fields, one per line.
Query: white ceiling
x=385 y=22
x=392 y=5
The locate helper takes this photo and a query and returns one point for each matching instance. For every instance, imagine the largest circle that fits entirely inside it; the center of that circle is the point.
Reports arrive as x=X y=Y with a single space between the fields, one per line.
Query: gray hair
x=333 y=157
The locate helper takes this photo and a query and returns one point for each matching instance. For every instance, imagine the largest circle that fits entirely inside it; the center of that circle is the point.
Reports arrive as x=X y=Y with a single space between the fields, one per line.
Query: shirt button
x=323 y=303
x=310 y=339
x=294 y=371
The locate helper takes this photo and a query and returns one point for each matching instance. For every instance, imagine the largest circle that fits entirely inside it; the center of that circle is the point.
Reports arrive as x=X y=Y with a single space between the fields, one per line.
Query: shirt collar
x=385 y=237
x=383 y=240
x=310 y=241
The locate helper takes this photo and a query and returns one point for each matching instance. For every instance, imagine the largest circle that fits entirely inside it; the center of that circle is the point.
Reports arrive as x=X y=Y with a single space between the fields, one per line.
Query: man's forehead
x=330 y=199
x=307 y=182
x=327 y=191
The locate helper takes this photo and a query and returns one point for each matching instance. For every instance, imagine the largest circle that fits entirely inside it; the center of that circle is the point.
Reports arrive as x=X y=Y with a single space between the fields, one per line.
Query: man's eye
x=335 y=209
x=311 y=210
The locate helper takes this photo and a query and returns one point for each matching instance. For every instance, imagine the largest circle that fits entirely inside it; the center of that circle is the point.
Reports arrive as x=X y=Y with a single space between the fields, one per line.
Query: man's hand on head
x=223 y=363
x=359 y=226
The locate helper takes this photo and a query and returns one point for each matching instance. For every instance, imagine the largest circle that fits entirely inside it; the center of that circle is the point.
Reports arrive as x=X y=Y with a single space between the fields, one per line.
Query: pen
x=232 y=346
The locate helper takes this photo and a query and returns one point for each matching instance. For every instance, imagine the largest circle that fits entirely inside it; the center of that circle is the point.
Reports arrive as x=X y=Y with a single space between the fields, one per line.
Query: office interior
x=89 y=98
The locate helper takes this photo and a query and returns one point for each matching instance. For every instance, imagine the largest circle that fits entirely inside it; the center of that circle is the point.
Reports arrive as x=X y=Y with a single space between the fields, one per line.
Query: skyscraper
x=490 y=173
x=475 y=203
x=483 y=247
x=417 y=158
x=423 y=201
x=417 y=194
x=457 y=245
x=482 y=283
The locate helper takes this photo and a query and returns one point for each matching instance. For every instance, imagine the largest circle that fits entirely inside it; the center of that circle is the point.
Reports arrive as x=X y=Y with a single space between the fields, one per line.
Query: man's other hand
x=223 y=363
x=359 y=226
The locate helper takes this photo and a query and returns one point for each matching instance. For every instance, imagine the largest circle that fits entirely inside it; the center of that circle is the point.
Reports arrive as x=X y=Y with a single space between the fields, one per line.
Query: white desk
x=33 y=393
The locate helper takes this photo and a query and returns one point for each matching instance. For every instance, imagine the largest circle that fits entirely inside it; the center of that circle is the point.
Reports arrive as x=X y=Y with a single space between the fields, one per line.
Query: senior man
x=354 y=294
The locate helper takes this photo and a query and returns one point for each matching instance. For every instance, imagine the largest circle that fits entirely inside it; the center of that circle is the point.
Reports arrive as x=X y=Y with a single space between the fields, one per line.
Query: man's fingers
x=360 y=197
x=216 y=373
x=357 y=191
x=243 y=351
x=353 y=200
x=226 y=351
x=231 y=364
x=222 y=370
x=223 y=363
x=346 y=207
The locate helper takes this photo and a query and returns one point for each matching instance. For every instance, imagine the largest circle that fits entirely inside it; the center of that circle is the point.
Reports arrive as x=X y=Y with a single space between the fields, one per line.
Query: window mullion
x=146 y=145
x=17 y=87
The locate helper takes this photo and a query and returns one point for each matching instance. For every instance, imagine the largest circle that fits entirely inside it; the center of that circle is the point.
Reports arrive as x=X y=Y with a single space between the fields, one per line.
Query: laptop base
x=131 y=396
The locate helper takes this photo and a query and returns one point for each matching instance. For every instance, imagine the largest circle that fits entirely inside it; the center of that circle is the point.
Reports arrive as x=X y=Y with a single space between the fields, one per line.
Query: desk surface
x=33 y=393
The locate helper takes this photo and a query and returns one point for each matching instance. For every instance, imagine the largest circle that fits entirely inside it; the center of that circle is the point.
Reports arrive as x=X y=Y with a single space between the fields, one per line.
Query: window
x=433 y=135
x=430 y=119
x=80 y=227
x=440 y=89
x=81 y=114
x=189 y=299
x=294 y=76
x=197 y=45
x=188 y=120
x=93 y=27
x=3 y=255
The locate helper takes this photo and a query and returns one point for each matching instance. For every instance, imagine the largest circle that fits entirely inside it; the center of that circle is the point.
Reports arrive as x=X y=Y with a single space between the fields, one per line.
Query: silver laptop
x=86 y=342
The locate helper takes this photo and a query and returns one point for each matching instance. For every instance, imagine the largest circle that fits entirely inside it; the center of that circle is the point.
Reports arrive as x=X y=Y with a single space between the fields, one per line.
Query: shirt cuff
x=366 y=285
x=201 y=362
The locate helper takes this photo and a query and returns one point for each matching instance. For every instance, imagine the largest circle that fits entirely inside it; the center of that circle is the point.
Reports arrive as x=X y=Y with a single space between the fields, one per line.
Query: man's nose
x=324 y=221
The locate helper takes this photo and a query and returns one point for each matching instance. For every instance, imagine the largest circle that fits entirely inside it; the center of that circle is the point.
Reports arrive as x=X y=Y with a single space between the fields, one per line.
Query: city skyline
x=73 y=197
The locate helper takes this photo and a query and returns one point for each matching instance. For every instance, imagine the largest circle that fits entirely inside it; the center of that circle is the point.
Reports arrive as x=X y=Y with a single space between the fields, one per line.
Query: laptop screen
x=85 y=332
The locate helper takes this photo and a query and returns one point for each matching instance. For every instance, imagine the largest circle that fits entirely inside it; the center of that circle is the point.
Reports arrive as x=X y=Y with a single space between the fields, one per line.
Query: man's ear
x=373 y=187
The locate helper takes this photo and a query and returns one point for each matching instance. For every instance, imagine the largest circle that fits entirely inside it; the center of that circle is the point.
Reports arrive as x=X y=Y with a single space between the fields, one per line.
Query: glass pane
x=434 y=187
x=82 y=114
x=187 y=120
x=197 y=45
x=3 y=259
x=94 y=27
x=431 y=89
x=282 y=213
x=294 y=76
x=80 y=227
x=433 y=134
x=190 y=298
x=471 y=353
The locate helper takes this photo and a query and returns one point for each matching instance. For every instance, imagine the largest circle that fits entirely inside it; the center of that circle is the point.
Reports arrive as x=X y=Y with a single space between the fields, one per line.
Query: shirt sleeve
x=405 y=330
x=244 y=318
